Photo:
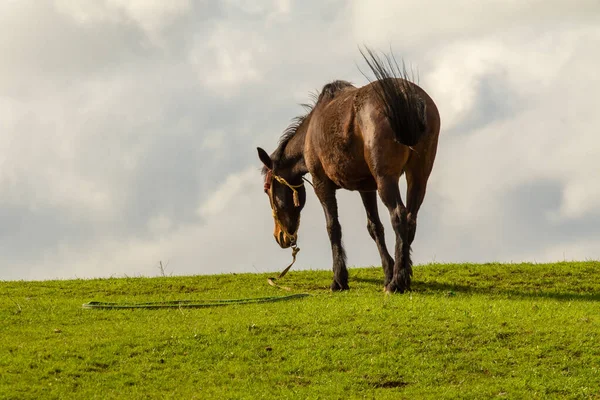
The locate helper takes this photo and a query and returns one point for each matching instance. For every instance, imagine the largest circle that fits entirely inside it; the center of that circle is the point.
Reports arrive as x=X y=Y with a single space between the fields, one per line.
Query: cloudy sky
x=128 y=130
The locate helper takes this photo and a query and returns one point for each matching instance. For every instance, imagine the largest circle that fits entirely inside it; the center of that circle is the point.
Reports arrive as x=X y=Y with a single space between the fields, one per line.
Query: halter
x=267 y=186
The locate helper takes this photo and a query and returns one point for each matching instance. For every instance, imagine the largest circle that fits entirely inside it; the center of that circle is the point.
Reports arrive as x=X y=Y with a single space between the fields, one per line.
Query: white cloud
x=238 y=223
x=269 y=9
x=580 y=250
x=581 y=198
x=38 y=166
x=226 y=194
x=129 y=130
x=547 y=134
x=150 y=15
x=226 y=60
x=159 y=225
x=435 y=23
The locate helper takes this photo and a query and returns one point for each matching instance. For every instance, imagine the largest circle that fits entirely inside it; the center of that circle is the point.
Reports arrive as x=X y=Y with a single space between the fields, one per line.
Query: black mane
x=290 y=131
x=328 y=92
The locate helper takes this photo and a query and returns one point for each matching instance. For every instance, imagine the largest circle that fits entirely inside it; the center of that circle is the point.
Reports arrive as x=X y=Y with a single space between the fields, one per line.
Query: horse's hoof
x=395 y=287
x=336 y=287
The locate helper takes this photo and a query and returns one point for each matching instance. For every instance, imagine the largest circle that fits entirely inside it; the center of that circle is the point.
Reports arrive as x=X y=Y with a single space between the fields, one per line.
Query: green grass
x=465 y=331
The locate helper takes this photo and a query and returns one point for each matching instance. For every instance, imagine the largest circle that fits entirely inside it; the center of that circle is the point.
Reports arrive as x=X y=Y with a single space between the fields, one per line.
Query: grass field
x=465 y=331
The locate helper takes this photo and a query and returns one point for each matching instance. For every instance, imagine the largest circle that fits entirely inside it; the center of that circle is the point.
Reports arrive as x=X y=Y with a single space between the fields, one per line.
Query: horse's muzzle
x=284 y=241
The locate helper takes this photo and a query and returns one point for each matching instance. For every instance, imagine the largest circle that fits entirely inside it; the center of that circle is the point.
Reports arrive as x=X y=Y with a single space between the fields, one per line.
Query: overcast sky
x=128 y=130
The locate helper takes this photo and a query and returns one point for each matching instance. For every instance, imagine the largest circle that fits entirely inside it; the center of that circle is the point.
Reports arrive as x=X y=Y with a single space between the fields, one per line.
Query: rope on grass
x=191 y=303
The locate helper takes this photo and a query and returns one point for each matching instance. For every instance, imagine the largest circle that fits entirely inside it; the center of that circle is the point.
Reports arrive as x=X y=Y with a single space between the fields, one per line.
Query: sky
x=128 y=130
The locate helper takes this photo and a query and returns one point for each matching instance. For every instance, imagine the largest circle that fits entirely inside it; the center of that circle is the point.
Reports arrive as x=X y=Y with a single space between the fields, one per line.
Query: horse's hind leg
x=415 y=194
x=390 y=195
x=375 y=228
x=417 y=174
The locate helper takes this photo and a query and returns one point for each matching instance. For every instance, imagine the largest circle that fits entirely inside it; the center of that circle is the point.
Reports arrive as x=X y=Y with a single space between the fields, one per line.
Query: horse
x=358 y=139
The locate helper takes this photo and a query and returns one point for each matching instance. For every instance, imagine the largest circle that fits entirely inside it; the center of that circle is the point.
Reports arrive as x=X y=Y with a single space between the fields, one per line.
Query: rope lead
x=191 y=303
x=295 y=250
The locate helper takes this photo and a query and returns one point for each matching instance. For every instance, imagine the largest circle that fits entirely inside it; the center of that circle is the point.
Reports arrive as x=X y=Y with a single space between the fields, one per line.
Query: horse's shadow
x=372 y=281
x=433 y=287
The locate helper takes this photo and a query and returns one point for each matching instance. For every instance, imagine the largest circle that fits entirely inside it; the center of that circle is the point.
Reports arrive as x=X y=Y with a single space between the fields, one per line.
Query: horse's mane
x=289 y=133
x=330 y=90
x=327 y=93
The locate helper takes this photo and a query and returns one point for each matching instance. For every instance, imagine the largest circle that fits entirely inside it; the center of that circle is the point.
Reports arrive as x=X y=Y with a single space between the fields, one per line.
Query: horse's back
x=334 y=146
x=352 y=142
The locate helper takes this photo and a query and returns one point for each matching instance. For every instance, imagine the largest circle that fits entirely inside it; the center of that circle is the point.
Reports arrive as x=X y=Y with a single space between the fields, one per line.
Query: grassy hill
x=465 y=331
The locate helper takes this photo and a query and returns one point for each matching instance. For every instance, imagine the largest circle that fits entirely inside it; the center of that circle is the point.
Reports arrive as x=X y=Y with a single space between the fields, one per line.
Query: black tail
x=403 y=107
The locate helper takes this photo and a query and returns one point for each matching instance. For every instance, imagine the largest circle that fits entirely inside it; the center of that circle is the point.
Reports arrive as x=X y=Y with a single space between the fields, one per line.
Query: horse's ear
x=264 y=157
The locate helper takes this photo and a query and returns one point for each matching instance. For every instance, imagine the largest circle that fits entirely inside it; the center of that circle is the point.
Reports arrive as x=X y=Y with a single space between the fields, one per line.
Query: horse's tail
x=404 y=108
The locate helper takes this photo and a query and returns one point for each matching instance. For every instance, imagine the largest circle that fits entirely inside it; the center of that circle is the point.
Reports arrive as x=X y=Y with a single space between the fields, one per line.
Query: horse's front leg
x=375 y=228
x=325 y=191
x=390 y=195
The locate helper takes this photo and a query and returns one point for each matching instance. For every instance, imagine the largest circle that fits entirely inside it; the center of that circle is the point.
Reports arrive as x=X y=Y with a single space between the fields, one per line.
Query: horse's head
x=287 y=197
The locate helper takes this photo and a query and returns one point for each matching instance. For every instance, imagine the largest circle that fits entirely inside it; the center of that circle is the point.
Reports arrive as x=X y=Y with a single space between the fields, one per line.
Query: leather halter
x=268 y=180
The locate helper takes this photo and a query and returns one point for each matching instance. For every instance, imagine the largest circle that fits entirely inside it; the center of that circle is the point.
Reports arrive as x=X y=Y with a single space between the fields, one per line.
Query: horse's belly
x=362 y=184
x=342 y=159
x=350 y=175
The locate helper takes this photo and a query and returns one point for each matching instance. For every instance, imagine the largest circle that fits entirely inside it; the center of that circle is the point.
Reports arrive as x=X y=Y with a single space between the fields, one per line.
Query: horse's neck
x=293 y=154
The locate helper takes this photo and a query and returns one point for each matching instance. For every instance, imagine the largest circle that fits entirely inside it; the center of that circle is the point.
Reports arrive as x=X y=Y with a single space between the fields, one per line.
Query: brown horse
x=360 y=139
